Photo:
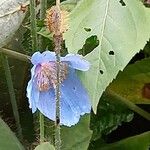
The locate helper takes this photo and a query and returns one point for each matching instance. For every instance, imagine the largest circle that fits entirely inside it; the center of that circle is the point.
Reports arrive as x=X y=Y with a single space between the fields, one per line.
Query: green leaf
x=78 y=136
x=69 y=5
x=139 y=142
x=122 y=30
x=8 y=141
x=130 y=83
x=45 y=146
x=110 y=114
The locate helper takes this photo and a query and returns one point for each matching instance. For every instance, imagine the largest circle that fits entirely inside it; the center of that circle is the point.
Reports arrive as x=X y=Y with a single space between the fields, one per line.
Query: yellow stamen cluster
x=57 y=20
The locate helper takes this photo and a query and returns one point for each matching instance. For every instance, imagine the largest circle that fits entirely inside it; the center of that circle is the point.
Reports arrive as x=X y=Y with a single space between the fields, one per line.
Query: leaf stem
x=15 y=55
x=12 y=95
x=129 y=104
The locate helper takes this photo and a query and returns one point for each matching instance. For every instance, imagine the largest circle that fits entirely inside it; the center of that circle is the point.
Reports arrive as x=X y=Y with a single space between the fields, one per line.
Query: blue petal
x=74 y=95
x=32 y=92
x=46 y=56
x=47 y=104
x=77 y=62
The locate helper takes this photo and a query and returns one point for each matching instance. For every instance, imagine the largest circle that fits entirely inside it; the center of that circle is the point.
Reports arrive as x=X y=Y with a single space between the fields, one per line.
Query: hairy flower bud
x=56 y=20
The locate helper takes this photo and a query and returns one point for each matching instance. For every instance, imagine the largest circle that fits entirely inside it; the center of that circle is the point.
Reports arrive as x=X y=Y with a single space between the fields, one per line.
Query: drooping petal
x=46 y=56
x=32 y=91
x=47 y=104
x=75 y=96
x=76 y=62
x=36 y=58
x=68 y=116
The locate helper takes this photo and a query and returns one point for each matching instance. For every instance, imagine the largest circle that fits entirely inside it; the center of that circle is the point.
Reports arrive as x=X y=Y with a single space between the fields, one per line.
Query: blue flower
x=74 y=101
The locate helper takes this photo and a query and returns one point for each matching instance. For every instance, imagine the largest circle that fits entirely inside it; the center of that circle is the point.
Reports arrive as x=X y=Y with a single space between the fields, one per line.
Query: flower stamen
x=46 y=75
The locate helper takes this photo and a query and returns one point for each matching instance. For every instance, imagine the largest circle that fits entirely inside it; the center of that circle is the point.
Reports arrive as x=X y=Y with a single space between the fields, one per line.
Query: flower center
x=46 y=75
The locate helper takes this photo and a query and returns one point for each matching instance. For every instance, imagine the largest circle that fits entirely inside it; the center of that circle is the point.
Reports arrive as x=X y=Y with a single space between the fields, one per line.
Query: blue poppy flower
x=74 y=100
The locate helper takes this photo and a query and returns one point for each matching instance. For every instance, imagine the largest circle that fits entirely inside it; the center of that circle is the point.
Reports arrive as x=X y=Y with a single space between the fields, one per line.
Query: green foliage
x=138 y=142
x=131 y=81
x=110 y=114
x=122 y=30
x=8 y=140
x=45 y=146
x=78 y=136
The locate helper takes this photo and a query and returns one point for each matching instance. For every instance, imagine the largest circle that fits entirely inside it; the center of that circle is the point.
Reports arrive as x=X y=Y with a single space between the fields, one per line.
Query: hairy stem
x=34 y=48
x=33 y=25
x=12 y=95
x=129 y=104
x=58 y=42
x=43 y=7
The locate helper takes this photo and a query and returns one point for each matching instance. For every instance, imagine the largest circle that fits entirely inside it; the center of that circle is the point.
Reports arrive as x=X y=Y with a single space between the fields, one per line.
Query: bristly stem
x=43 y=7
x=33 y=25
x=58 y=42
x=58 y=3
x=12 y=95
x=34 y=48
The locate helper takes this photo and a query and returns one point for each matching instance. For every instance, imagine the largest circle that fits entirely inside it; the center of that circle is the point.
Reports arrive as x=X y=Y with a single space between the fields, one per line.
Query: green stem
x=12 y=95
x=43 y=7
x=15 y=55
x=129 y=104
x=33 y=25
x=41 y=128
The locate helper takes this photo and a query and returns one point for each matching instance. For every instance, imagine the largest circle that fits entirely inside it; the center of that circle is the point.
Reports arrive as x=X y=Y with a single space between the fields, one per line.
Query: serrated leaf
x=10 y=19
x=45 y=146
x=78 y=136
x=130 y=83
x=138 y=142
x=122 y=30
x=110 y=114
x=8 y=141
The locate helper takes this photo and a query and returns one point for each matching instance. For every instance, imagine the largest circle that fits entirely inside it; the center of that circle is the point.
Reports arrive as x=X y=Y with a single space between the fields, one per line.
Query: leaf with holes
x=10 y=19
x=122 y=28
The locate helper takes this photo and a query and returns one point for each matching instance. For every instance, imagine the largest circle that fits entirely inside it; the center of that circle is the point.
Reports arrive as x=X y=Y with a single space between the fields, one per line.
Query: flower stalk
x=12 y=95
x=34 y=48
x=57 y=42
x=33 y=25
x=43 y=7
